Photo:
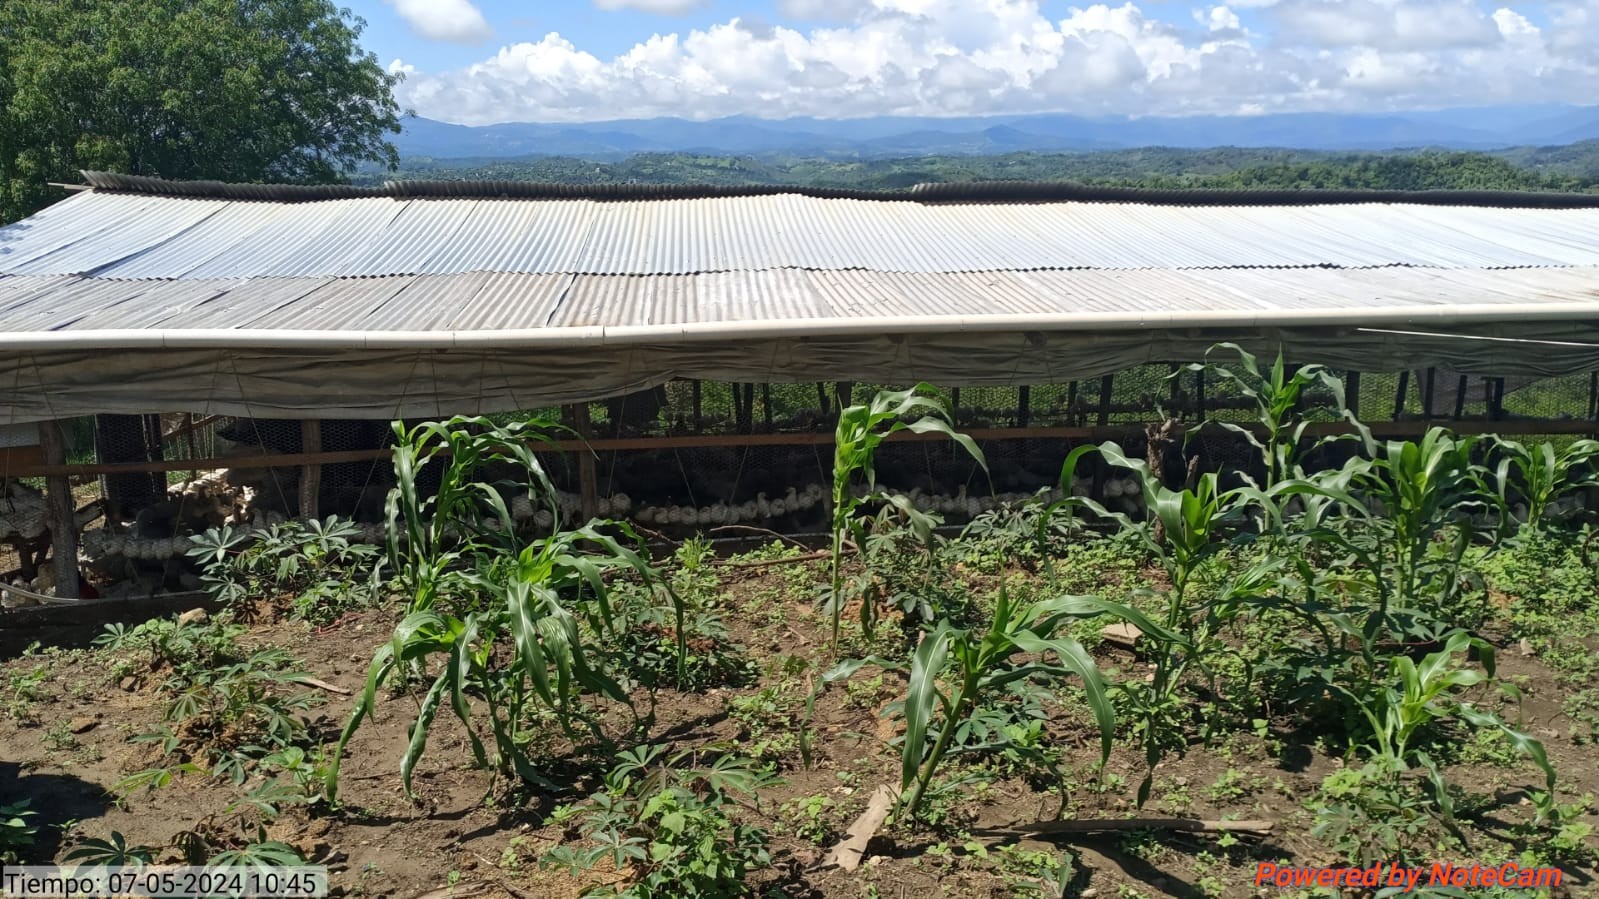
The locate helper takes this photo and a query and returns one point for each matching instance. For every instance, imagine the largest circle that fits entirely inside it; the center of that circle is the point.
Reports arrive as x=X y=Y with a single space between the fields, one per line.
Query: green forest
x=1568 y=168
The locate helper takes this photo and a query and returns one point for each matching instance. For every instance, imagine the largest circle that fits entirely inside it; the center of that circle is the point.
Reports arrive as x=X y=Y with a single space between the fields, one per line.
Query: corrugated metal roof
x=135 y=236
x=394 y=263
x=517 y=302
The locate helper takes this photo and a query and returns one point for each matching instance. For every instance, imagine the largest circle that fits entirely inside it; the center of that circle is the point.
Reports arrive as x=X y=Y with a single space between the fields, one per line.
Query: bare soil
x=462 y=827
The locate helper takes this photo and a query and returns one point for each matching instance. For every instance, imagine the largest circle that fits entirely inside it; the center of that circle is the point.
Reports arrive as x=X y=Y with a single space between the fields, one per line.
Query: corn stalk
x=861 y=429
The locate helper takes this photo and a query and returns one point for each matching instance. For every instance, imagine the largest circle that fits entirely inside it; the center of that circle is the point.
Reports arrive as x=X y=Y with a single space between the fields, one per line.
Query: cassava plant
x=861 y=429
x=1022 y=642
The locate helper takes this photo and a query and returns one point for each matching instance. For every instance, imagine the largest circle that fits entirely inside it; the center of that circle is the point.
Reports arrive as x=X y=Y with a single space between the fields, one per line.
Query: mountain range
x=1482 y=128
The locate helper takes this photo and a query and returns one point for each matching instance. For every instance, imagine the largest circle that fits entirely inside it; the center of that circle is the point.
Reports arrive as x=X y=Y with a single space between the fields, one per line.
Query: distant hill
x=1573 y=168
x=1485 y=128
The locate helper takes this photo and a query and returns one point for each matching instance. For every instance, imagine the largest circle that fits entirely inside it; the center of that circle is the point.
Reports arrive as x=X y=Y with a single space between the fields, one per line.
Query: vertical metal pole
x=61 y=511
x=587 y=489
x=310 y=475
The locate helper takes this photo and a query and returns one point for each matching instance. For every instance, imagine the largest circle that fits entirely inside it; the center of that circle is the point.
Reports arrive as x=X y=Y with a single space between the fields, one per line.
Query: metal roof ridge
x=973 y=192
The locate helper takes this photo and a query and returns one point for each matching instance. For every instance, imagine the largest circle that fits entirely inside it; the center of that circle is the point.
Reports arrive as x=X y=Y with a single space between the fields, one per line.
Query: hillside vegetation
x=1569 y=168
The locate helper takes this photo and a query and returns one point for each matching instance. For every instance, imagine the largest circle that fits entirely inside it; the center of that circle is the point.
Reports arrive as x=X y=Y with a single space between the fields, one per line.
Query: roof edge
x=946 y=192
x=789 y=329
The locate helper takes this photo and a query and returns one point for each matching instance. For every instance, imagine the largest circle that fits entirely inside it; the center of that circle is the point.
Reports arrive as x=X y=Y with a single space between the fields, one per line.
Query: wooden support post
x=846 y=394
x=60 y=512
x=1104 y=400
x=1399 y=393
x=1427 y=393
x=1352 y=393
x=1496 y=408
x=310 y=475
x=1071 y=404
x=699 y=408
x=587 y=488
x=823 y=404
x=766 y=405
x=1460 y=397
x=1024 y=406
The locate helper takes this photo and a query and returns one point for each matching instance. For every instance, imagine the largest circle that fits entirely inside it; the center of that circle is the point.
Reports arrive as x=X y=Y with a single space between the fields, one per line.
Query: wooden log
x=60 y=512
x=847 y=854
x=311 y=473
x=1117 y=825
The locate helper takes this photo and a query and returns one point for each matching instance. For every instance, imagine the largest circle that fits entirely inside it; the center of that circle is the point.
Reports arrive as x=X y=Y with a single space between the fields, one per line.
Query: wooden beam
x=60 y=512
x=311 y=472
x=1401 y=429
x=16 y=458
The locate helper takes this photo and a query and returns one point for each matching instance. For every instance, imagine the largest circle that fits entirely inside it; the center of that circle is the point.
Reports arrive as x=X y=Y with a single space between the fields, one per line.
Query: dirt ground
x=462 y=834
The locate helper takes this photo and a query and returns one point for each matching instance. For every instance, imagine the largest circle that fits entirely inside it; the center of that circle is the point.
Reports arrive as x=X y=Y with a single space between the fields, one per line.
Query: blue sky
x=480 y=61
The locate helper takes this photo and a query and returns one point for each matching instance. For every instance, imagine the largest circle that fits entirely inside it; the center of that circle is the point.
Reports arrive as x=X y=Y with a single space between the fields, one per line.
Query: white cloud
x=1220 y=18
x=457 y=21
x=659 y=7
x=948 y=57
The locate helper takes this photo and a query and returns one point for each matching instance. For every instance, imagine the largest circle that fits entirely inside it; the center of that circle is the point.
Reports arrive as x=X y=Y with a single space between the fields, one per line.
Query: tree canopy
x=233 y=90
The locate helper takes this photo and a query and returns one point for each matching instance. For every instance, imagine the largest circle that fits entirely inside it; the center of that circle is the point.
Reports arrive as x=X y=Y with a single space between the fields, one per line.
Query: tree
x=233 y=90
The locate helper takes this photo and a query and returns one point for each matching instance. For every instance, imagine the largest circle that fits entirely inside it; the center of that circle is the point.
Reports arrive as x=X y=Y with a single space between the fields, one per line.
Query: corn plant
x=1279 y=430
x=432 y=537
x=537 y=601
x=1544 y=475
x=1021 y=643
x=1419 y=695
x=861 y=429
x=1186 y=528
x=1405 y=517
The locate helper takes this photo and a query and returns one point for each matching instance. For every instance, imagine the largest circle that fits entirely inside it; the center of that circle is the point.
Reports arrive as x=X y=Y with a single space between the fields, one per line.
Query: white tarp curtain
x=386 y=384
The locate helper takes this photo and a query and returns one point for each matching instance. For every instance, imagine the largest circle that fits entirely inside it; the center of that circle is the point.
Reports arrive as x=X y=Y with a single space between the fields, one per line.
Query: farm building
x=697 y=340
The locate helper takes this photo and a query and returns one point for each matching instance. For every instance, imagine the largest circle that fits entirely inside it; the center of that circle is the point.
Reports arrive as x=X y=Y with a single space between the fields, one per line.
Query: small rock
x=1525 y=646
x=194 y=616
x=129 y=683
x=82 y=725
